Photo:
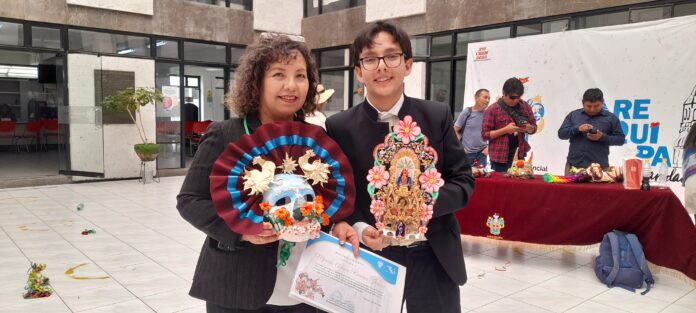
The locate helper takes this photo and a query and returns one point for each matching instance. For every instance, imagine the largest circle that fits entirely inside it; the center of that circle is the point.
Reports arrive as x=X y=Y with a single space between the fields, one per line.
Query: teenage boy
x=435 y=267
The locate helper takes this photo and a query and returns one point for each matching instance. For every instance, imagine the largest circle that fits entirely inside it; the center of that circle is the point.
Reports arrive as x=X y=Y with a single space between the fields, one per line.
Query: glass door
x=31 y=92
x=83 y=154
x=168 y=115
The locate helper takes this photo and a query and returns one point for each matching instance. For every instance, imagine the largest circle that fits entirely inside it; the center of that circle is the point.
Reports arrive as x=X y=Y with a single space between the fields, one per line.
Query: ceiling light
x=14 y=71
x=125 y=51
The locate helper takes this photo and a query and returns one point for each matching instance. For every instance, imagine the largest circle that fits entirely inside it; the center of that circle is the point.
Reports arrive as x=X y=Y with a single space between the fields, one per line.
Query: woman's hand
x=266 y=236
x=346 y=233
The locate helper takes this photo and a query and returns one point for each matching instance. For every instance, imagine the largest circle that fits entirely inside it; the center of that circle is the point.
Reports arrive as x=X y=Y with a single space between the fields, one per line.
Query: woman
x=689 y=179
x=276 y=81
x=318 y=117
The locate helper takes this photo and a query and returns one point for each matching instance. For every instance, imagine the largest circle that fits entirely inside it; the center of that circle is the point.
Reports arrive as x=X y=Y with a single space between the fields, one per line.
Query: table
x=580 y=214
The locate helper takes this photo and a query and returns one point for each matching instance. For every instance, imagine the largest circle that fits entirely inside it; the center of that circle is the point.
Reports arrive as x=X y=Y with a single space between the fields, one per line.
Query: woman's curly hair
x=245 y=96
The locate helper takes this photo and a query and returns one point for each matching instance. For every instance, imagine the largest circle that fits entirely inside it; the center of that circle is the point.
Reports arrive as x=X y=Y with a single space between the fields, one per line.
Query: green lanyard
x=246 y=127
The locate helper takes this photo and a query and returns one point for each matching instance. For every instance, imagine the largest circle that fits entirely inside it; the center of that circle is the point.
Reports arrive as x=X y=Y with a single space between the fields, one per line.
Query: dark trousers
x=503 y=167
x=300 y=308
x=428 y=287
x=480 y=158
x=500 y=167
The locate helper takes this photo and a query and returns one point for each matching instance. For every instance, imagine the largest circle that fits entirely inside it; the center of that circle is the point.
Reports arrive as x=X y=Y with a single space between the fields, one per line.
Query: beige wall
x=280 y=16
x=175 y=18
x=133 y=6
x=444 y=15
x=185 y=19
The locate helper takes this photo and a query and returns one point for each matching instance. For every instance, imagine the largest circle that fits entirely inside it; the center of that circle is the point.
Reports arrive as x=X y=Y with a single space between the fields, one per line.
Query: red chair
x=188 y=132
x=31 y=134
x=50 y=129
x=199 y=129
x=7 y=130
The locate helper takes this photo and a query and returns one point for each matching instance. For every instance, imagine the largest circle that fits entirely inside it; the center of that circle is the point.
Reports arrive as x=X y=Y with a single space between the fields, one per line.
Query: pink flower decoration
x=377 y=176
x=426 y=213
x=377 y=208
x=379 y=225
x=423 y=230
x=431 y=180
x=407 y=129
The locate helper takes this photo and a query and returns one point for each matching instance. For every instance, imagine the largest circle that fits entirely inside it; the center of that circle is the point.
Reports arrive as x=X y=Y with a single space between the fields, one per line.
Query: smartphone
x=592 y=131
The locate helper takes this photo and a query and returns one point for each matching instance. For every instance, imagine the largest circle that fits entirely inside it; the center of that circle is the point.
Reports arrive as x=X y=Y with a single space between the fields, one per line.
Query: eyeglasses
x=390 y=60
x=514 y=97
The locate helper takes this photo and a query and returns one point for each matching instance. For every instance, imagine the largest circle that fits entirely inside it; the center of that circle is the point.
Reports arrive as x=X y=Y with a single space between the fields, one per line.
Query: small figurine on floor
x=37 y=284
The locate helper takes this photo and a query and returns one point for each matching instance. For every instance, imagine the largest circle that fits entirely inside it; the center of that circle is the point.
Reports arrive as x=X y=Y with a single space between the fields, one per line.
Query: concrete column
x=280 y=16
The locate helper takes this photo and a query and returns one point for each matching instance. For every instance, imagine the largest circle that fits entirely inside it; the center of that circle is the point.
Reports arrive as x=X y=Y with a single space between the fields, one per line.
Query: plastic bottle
x=645 y=183
x=662 y=172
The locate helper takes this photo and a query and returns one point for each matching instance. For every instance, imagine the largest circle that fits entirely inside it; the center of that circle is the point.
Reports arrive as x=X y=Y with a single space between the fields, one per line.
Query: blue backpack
x=621 y=262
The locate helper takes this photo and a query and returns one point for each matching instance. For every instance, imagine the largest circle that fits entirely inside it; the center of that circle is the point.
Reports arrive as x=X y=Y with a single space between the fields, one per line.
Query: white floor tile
x=675 y=308
x=198 y=309
x=52 y=304
x=633 y=302
x=547 y=298
x=473 y=297
x=131 y=306
x=80 y=299
x=509 y=305
x=172 y=301
x=689 y=300
x=498 y=284
x=574 y=286
x=594 y=307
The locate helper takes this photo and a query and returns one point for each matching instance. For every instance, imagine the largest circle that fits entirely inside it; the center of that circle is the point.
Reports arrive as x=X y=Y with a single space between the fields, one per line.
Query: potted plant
x=131 y=100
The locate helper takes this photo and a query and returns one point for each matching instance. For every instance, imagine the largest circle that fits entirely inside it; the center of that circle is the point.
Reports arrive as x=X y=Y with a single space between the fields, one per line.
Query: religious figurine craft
x=593 y=174
x=521 y=168
x=404 y=183
x=289 y=174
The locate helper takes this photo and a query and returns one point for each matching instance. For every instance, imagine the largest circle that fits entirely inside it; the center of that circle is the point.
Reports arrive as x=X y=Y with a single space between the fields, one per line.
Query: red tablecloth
x=580 y=214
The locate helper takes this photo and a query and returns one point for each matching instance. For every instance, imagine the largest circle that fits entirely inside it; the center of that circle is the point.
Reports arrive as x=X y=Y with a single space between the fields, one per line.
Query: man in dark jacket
x=435 y=268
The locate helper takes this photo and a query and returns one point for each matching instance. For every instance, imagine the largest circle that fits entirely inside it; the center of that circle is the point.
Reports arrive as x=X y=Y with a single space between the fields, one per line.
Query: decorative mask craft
x=289 y=174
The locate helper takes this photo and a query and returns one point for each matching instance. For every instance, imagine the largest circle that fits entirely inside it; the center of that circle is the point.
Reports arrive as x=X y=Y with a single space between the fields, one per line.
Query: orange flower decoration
x=324 y=219
x=282 y=213
x=319 y=204
x=265 y=206
x=307 y=209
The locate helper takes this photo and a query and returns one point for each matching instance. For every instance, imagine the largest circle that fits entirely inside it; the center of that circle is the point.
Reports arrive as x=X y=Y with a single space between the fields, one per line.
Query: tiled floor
x=142 y=258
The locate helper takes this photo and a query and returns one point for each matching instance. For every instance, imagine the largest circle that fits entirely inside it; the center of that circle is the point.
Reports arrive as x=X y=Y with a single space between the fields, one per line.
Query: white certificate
x=330 y=278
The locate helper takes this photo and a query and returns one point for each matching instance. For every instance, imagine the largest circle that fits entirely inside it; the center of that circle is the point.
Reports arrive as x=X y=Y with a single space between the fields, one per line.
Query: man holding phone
x=505 y=124
x=591 y=130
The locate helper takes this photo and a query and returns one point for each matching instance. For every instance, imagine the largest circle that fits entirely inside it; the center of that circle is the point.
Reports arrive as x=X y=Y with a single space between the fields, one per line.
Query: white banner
x=646 y=71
